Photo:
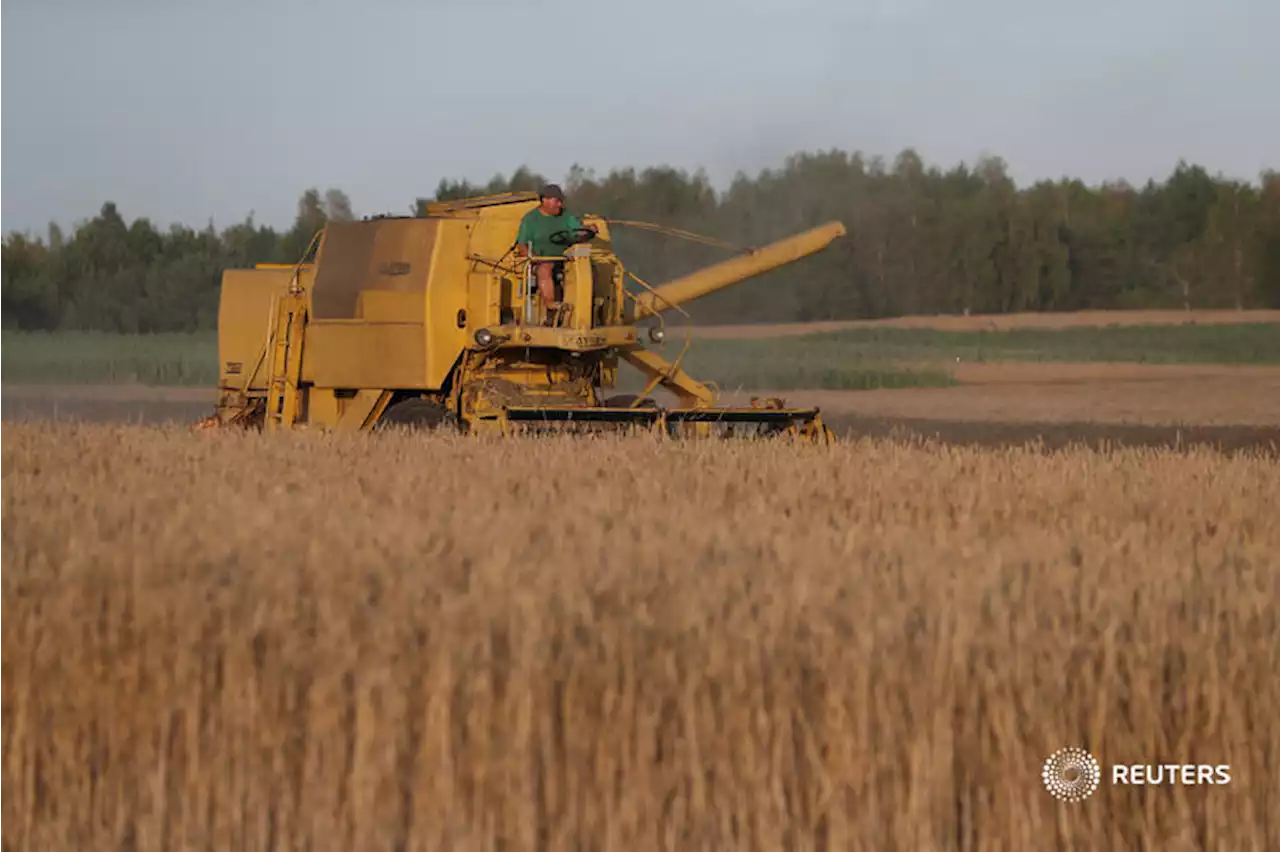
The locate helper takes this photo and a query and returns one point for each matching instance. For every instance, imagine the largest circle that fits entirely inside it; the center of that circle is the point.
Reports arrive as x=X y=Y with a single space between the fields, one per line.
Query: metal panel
x=379 y=255
x=244 y=320
x=366 y=354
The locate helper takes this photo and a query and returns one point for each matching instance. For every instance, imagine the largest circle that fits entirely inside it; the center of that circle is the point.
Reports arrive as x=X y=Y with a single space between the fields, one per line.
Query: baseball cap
x=551 y=190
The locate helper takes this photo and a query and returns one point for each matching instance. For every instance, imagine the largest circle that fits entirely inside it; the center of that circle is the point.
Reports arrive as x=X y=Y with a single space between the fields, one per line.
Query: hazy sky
x=182 y=111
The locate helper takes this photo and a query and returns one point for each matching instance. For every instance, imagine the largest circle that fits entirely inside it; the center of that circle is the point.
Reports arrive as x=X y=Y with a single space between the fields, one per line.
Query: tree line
x=922 y=240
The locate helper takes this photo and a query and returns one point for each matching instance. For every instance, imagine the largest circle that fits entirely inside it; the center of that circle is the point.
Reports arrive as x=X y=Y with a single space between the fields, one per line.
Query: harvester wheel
x=419 y=413
x=627 y=400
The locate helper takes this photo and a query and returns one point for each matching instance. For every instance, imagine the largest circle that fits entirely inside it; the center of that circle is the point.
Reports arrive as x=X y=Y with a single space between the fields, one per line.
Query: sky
x=187 y=112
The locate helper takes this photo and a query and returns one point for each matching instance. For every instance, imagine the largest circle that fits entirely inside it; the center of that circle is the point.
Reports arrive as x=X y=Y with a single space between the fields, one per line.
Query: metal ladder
x=284 y=364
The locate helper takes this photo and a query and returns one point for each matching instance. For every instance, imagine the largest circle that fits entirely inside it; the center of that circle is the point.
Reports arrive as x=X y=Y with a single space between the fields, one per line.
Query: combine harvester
x=433 y=321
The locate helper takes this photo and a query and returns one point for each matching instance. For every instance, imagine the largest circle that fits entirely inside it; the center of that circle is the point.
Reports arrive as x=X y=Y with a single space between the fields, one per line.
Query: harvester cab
x=435 y=320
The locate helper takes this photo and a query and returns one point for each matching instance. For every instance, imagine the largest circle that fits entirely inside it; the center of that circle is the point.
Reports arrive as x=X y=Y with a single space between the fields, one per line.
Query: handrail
x=688 y=337
x=680 y=233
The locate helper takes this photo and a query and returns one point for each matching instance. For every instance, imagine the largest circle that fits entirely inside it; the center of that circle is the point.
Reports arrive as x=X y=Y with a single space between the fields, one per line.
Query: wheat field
x=407 y=642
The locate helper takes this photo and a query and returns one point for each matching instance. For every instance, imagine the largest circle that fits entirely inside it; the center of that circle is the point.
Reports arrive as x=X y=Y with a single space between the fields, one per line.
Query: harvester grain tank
x=432 y=320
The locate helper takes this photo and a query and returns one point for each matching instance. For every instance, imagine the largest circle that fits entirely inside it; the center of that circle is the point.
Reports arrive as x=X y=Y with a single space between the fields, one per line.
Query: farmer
x=535 y=228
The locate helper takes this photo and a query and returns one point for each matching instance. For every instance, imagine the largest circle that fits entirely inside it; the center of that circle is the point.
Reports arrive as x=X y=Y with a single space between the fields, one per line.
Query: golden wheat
x=406 y=642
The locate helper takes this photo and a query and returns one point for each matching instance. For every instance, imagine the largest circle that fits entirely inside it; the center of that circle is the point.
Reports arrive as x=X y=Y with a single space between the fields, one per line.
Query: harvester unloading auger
x=433 y=321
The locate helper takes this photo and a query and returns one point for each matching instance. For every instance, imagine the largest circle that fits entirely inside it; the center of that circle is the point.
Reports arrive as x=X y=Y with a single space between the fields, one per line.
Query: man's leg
x=546 y=285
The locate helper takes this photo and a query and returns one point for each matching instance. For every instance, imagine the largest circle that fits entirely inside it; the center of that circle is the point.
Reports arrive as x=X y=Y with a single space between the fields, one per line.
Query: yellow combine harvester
x=433 y=321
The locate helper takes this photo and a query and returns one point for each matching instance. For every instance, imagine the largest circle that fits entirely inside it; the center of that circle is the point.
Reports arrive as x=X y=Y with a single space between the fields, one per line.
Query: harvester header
x=437 y=320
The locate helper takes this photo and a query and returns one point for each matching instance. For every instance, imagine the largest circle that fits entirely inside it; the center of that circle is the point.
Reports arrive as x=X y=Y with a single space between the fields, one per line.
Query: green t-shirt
x=536 y=226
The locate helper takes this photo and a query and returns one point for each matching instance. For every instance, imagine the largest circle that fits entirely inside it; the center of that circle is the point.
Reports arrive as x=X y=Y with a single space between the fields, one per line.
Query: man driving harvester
x=538 y=227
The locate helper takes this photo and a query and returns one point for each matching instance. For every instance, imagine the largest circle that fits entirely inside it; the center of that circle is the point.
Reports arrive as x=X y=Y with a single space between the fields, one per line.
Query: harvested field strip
x=1052 y=373
x=856 y=359
x=996 y=322
x=1257 y=343
x=891 y=358
x=330 y=642
x=1171 y=399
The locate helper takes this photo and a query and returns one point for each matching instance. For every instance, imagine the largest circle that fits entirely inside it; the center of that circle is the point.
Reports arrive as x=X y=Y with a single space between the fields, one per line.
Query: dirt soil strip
x=1067 y=373
x=106 y=403
x=112 y=393
x=988 y=322
x=1129 y=394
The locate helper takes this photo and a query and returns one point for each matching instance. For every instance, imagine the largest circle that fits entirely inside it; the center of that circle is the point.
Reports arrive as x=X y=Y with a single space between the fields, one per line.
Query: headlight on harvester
x=484 y=337
x=657 y=335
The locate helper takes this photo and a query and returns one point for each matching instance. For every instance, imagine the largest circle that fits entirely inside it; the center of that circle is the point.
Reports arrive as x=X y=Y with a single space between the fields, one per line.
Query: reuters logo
x=1071 y=774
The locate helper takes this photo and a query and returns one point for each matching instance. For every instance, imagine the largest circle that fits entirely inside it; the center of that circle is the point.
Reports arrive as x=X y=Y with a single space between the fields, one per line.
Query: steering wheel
x=571 y=236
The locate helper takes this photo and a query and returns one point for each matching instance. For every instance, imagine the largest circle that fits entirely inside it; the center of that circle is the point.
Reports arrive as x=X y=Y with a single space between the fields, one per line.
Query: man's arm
x=575 y=222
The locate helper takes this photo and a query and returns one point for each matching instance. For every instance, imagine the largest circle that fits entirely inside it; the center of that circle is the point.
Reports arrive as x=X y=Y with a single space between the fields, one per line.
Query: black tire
x=418 y=413
x=626 y=400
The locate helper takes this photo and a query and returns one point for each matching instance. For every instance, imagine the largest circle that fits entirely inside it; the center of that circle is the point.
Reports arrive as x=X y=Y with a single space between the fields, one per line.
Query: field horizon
x=910 y=352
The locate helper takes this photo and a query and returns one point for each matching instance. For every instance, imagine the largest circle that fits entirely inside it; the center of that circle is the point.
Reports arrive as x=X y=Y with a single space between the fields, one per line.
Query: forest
x=922 y=240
